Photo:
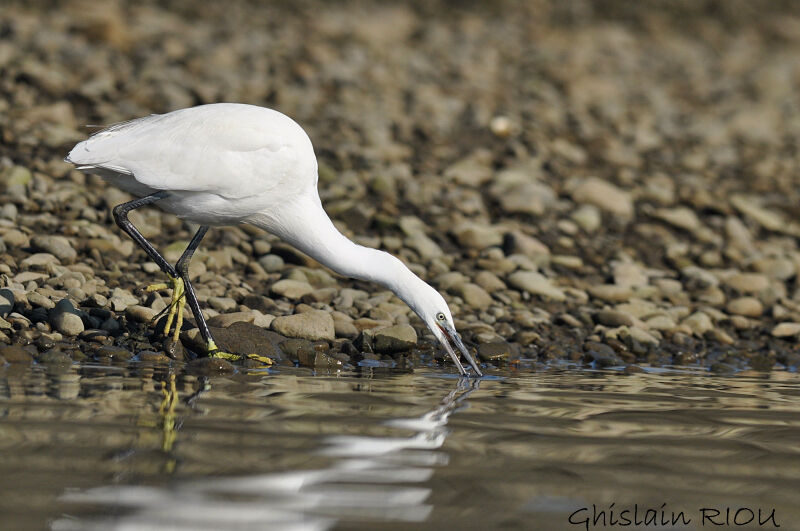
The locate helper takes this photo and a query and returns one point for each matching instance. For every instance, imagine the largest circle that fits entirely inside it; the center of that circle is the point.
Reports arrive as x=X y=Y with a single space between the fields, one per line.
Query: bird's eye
x=440 y=316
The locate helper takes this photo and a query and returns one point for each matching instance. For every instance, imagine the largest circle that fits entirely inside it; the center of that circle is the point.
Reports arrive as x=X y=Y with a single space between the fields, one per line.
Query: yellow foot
x=215 y=352
x=176 y=306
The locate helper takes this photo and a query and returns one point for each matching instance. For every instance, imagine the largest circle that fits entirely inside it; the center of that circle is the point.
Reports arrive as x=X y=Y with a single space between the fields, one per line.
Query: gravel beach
x=605 y=183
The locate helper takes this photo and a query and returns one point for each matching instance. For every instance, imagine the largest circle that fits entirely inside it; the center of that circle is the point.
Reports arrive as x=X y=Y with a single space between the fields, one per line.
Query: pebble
x=64 y=318
x=536 y=284
x=58 y=246
x=222 y=304
x=477 y=236
x=604 y=195
x=475 y=296
x=495 y=351
x=614 y=318
x=746 y=306
x=140 y=314
x=271 y=263
x=291 y=289
x=312 y=325
x=786 y=330
x=6 y=302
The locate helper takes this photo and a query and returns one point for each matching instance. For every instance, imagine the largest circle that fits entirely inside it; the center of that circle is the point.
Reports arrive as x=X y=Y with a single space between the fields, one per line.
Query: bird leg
x=175 y=282
x=182 y=268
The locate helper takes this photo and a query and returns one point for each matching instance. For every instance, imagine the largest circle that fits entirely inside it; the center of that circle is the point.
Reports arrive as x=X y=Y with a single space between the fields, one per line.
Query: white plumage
x=227 y=163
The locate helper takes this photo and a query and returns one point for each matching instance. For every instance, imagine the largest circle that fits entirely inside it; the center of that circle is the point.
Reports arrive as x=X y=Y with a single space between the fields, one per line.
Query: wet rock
x=65 y=318
x=113 y=353
x=293 y=347
x=398 y=338
x=747 y=306
x=317 y=360
x=150 y=356
x=499 y=351
x=311 y=325
x=58 y=246
x=16 y=354
x=210 y=366
x=536 y=284
x=238 y=338
x=291 y=289
x=54 y=357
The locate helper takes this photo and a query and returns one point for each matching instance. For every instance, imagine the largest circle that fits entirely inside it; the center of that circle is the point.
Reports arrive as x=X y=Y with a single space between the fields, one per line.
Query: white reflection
x=368 y=481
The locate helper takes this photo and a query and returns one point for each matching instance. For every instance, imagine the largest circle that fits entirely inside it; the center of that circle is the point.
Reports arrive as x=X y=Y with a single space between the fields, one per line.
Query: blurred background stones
x=602 y=182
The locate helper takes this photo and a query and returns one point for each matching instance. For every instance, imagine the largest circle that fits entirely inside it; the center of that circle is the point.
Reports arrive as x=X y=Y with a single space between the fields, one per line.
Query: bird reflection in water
x=367 y=481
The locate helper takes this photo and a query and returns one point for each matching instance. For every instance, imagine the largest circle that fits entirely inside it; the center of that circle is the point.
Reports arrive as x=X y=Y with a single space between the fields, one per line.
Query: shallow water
x=111 y=447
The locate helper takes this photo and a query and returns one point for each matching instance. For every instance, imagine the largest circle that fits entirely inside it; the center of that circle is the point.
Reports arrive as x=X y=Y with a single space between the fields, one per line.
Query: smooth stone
x=587 y=217
x=748 y=282
x=291 y=289
x=65 y=319
x=58 y=246
x=786 y=330
x=313 y=325
x=345 y=329
x=475 y=296
x=40 y=261
x=699 y=323
x=272 y=263
x=611 y=292
x=6 y=302
x=222 y=304
x=477 y=236
x=37 y=299
x=535 y=284
x=241 y=338
x=140 y=314
x=605 y=196
x=489 y=281
x=224 y=320
x=292 y=347
x=679 y=217
x=747 y=306
x=517 y=242
x=614 y=318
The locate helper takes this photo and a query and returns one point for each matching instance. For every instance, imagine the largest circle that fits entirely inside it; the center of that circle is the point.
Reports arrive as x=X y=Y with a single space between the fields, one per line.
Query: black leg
x=121 y=217
x=183 y=270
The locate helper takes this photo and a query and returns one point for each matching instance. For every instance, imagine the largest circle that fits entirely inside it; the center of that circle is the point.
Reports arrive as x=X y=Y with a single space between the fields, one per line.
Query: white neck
x=304 y=224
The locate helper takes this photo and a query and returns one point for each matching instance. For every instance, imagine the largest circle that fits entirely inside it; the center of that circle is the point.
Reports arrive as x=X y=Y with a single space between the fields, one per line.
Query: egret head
x=433 y=310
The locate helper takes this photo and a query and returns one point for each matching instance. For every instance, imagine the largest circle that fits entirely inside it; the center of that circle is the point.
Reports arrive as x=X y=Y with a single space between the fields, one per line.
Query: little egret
x=228 y=163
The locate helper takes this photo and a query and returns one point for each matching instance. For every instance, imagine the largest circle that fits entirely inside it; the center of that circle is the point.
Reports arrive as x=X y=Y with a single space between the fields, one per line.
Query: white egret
x=225 y=164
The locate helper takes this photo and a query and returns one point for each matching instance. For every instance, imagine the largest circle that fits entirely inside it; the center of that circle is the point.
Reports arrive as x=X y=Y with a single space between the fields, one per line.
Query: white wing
x=227 y=149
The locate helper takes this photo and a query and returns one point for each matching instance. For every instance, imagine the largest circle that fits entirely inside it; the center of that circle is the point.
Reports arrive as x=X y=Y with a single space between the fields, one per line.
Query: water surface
x=137 y=447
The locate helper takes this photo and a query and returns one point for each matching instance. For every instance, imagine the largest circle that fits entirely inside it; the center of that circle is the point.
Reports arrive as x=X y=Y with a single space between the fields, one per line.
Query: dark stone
x=54 y=357
x=499 y=351
x=209 y=366
x=113 y=353
x=150 y=356
x=294 y=347
x=241 y=338
x=175 y=350
x=762 y=362
x=633 y=369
